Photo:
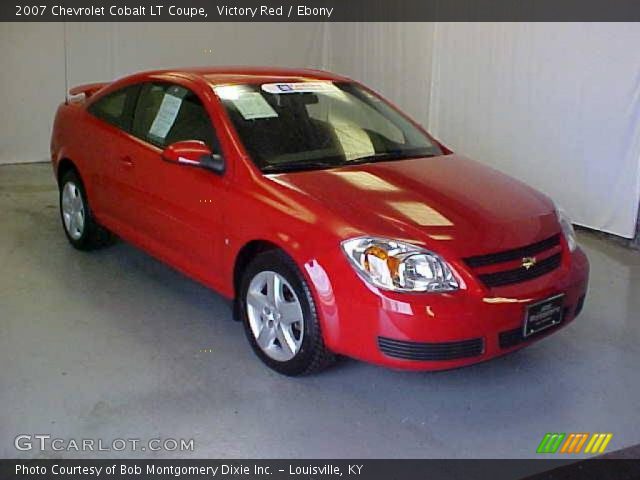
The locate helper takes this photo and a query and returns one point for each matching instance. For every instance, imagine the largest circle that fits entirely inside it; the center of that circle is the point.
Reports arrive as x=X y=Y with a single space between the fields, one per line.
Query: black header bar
x=321 y=10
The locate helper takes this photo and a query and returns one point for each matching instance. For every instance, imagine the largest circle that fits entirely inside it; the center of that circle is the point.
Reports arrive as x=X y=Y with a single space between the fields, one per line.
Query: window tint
x=117 y=107
x=167 y=113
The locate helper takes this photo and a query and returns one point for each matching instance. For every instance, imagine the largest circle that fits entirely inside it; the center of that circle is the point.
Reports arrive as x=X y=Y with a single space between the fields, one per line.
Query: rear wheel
x=280 y=317
x=82 y=231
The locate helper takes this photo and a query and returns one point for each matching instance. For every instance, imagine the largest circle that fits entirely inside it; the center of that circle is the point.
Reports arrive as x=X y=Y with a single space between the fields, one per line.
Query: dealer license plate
x=542 y=315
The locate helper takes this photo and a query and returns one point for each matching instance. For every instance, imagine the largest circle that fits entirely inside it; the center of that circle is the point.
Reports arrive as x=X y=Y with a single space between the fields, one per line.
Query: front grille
x=551 y=253
x=514 y=254
x=521 y=274
x=431 y=351
x=511 y=338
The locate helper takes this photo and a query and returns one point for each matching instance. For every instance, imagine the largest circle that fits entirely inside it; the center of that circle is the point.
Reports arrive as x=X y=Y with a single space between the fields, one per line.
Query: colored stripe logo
x=598 y=443
x=550 y=443
x=574 y=443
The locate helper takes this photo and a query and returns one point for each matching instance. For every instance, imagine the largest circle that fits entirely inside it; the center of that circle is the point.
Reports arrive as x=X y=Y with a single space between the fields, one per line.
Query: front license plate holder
x=542 y=315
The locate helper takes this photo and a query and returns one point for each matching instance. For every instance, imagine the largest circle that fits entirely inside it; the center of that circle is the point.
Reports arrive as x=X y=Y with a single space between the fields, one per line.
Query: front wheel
x=280 y=318
x=82 y=231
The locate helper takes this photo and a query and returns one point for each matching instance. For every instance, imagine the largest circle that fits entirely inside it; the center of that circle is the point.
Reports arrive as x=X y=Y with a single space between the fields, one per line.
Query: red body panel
x=198 y=222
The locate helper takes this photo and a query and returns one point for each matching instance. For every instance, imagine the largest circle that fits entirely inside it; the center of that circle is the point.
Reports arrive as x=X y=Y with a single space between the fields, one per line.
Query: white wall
x=556 y=105
x=392 y=58
x=41 y=61
x=111 y=50
x=32 y=84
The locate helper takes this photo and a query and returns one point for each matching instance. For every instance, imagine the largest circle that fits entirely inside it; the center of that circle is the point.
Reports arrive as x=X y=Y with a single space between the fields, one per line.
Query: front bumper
x=436 y=331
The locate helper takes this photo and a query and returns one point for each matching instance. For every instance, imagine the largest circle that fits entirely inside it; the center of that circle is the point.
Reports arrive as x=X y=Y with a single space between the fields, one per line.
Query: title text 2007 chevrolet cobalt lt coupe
x=335 y=222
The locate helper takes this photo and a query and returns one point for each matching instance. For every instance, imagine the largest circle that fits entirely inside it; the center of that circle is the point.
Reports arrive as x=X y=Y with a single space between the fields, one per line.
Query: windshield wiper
x=319 y=165
x=388 y=156
x=299 y=166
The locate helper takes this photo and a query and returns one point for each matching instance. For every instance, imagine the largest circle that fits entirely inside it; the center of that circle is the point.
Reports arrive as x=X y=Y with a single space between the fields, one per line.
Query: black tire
x=92 y=235
x=313 y=355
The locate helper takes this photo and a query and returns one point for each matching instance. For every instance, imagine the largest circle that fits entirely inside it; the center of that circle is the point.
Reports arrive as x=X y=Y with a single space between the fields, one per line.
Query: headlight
x=567 y=229
x=399 y=266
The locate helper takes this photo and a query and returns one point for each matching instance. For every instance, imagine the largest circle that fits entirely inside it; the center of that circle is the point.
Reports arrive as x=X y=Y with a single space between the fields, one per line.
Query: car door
x=107 y=146
x=177 y=210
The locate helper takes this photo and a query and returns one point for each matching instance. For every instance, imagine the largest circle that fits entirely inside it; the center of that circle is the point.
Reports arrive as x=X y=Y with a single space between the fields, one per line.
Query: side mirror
x=196 y=154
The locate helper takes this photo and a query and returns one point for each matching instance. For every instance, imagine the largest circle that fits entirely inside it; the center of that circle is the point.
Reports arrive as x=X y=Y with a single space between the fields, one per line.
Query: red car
x=336 y=223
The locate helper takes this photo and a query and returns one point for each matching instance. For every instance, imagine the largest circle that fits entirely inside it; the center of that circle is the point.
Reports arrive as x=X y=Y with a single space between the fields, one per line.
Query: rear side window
x=166 y=113
x=117 y=107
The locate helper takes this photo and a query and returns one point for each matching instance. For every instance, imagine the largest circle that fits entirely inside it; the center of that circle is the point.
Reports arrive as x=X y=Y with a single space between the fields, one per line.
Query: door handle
x=127 y=161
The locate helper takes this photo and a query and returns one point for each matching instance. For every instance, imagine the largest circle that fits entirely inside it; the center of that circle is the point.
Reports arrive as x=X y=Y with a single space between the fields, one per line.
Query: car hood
x=450 y=201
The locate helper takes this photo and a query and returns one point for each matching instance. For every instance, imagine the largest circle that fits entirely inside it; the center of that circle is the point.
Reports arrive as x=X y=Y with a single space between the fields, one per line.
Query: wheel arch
x=245 y=255
x=65 y=165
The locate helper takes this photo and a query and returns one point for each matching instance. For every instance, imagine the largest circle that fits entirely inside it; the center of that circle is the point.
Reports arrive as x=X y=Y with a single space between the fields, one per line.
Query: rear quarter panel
x=84 y=140
x=69 y=139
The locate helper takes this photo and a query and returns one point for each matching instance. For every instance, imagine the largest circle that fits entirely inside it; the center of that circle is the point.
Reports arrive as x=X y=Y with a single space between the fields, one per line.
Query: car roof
x=239 y=75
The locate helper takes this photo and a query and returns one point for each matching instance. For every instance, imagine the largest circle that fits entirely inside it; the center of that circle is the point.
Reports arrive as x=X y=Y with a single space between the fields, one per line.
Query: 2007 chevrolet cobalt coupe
x=336 y=223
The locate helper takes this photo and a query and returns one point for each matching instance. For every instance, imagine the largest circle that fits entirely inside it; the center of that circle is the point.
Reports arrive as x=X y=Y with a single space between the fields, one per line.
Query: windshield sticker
x=252 y=105
x=299 y=87
x=166 y=116
x=354 y=140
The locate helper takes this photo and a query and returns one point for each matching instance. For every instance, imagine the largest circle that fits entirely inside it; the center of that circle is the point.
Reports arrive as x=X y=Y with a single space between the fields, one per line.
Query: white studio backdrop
x=32 y=84
x=556 y=105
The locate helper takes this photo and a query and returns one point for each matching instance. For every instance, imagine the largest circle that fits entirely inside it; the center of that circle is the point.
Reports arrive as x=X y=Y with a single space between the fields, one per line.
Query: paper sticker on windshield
x=252 y=105
x=299 y=87
x=166 y=116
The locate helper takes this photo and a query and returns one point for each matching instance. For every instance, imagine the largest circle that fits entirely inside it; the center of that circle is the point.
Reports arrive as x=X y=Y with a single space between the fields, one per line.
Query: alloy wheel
x=73 y=212
x=275 y=316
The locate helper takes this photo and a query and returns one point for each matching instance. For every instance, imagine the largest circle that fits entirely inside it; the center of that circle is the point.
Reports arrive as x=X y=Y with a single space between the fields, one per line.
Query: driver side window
x=166 y=113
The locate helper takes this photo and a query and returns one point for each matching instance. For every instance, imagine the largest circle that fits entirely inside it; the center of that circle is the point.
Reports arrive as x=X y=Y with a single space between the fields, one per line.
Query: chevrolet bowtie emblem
x=528 y=262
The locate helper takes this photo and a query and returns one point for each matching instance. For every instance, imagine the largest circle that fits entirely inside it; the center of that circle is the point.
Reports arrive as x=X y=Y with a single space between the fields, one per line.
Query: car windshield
x=320 y=124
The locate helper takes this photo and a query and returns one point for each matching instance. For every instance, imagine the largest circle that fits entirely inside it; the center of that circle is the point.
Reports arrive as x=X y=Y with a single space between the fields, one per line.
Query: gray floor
x=114 y=344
